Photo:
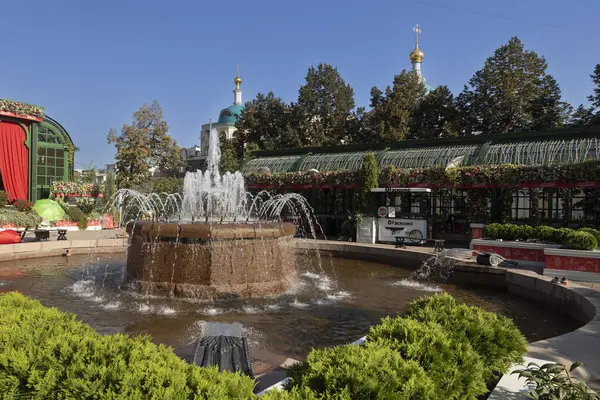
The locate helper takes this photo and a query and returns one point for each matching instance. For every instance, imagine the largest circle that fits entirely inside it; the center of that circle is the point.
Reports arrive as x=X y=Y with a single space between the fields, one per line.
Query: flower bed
x=19 y=109
x=75 y=189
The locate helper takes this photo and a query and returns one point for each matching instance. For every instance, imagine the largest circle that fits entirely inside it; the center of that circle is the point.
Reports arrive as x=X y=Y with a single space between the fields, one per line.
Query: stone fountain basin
x=208 y=261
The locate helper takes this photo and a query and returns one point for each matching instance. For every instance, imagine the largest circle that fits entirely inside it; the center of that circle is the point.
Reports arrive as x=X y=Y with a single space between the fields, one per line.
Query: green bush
x=454 y=367
x=592 y=231
x=48 y=354
x=167 y=185
x=493 y=231
x=495 y=338
x=527 y=232
x=508 y=231
x=3 y=198
x=368 y=371
x=581 y=241
x=554 y=381
x=75 y=214
x=23 y=205
x=27 y=219
x=561 y=234
x=83 y=223
x=545 y=233
x=86 y=204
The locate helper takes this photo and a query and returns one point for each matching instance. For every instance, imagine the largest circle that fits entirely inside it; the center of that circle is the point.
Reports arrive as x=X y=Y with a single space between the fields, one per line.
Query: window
x=51 y=165
x=46 y=135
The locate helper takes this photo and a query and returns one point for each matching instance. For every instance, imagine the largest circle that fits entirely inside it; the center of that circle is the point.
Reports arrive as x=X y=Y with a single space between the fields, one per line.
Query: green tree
x=229 y=156
x=582 y=116
x=110 y=186
x=369 y=179
x=325 y=104
x=142 y=145
x=512 y=92
x=436 y=116
x=393 y=110
x=594 y=98
x=267 y=123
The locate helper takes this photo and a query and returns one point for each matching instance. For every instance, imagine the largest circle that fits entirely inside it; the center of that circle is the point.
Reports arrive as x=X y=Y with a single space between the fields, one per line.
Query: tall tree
x=229 y=157
x=267 y=122
x=325 y=104
x=142 y=145
x=511 y=93
x=594 y=98
x=392 y=112
x=436 y=116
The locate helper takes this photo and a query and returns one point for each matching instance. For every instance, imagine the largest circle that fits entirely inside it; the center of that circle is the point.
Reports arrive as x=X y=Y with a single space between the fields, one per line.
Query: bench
x=438 y=244
x=43 y=233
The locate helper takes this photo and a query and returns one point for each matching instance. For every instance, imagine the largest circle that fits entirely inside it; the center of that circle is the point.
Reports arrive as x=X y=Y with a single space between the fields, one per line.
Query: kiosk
x=402 y=215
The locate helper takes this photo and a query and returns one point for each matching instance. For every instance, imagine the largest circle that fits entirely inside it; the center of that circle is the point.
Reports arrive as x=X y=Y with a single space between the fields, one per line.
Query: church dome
x=416 y=55
x=230 y=115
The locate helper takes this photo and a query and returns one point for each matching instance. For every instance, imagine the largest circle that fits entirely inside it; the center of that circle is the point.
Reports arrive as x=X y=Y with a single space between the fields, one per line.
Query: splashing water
x=440 y=267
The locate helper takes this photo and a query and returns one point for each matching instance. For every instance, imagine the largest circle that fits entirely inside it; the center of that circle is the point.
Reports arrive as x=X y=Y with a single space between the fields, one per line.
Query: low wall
x=573 y=260
x=49 y=248
x=532 y=253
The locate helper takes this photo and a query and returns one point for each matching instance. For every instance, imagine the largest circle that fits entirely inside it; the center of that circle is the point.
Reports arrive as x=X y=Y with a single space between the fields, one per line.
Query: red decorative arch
x=14 y=160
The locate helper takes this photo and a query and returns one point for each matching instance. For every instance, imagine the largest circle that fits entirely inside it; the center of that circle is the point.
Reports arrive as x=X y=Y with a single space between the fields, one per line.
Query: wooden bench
x=438 y=244
x=43 y=233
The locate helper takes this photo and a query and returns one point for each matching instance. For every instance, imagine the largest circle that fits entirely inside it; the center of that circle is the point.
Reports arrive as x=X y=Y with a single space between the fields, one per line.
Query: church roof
x=230 y=115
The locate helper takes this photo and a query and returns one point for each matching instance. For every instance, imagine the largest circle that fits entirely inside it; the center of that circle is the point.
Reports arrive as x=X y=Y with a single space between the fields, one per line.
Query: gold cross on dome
x=417 y=30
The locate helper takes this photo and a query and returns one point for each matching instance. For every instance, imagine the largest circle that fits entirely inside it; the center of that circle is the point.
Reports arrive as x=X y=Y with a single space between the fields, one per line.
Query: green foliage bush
x=23 y=205
x=561 y=234
x=48 y=354
x=86 y=204
x=27 y=219
x=554 y=381
x=545 y=233
x=369 y=179
x=527 y=232
x=75 y=214
x=3 y=198
x=167 y=185
x=592 y=231
x=495 y=338
x=493 y=231
x=82 y=224
x=454 y=367
x=581 y=241
x=368 y=371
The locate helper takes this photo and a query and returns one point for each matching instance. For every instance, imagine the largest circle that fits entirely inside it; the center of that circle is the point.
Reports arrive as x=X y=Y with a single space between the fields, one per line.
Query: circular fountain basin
x=209 y=261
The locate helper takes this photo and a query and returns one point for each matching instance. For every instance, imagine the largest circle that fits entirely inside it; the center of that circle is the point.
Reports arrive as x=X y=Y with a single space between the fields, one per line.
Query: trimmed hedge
x=570 y=238
x=495 y=338
x=48 y=354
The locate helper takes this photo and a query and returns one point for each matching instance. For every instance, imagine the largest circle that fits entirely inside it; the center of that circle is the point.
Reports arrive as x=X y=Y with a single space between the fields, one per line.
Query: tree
x=511 y=93
x=142 y=145
x=393 y=110
x=325 y=104
x=594 y=98
x=266 y=122
x=436 y=116
x=584 y=116
x=110 y=186
x=229 y=157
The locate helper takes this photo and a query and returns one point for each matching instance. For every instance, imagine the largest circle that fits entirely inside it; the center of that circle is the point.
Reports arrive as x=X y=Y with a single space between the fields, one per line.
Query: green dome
x=230 y=115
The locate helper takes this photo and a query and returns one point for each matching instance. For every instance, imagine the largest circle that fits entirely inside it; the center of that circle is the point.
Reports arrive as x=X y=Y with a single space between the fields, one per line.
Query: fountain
x=215 y=241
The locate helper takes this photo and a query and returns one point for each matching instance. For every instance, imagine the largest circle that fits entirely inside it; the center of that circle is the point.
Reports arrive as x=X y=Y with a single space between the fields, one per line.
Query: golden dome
x=237 y=80
x=416 y=55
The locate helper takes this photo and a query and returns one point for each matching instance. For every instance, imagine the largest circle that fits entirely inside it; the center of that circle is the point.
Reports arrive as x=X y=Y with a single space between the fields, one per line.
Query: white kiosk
x=390 y=227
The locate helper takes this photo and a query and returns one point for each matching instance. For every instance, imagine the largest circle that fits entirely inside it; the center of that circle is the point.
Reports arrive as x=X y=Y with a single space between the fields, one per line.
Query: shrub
x=74 y=213
x=3 y=198
x=48 y=354
x=527 y=232
x=454 y=367
x=494 y=231
x=361 y=372
x=581 y=241
x=167 y=185
x=86 y=204
x=561 y=234
x=554 y=381
x=23 y=205
x=495 y=338
x=594 y=232
x=27 y=219
x=545 y=233
x=83 y=223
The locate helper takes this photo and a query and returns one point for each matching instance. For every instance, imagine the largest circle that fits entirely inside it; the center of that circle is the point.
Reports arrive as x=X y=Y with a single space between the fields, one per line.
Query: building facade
x=35 y=151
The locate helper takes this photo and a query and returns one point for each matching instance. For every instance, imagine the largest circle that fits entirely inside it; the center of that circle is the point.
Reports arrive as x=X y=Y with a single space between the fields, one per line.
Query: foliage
x=167 y=185
x=368 y=180
x=3 y=198
x=594 y=232
x=61 y=189
x=495 y=338
x=561 y=234
x=142 y=145
x=553 y=381
x=581 y=241
x=454 y=367
x=23 y=205
x=86 y=204
x=74 y=213
x=325 y=104
x=229 y=158
x=110 y=186
x=361 y=372
x=82 y=224
x=545 y=233
x=478 y=204
x=20 y=108
x=511 y=93
x=393 y=109
x=594 y=98
x=27 y=219
x=47 y=354
x=86 y=175
x=436 y=116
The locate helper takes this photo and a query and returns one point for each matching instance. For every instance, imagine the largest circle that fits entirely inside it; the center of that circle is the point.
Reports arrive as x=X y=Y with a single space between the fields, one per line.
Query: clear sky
x=91 y=64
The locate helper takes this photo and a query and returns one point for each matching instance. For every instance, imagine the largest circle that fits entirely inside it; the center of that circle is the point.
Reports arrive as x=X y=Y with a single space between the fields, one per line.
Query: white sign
x=390 y=228
x=382 y=212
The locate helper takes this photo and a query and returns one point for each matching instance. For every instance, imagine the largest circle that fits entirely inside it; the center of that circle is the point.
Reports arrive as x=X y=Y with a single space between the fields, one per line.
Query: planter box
x=573 y=260
x=477 y=231
x=518 y=251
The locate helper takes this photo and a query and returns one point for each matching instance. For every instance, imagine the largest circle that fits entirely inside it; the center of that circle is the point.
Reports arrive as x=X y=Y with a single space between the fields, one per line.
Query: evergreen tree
x=392 y=113
x=229 y=156
x=325 y=104
x=142 y=145
x=436 y=116
x=582 y=116
x=511 y=93
x=594 y=98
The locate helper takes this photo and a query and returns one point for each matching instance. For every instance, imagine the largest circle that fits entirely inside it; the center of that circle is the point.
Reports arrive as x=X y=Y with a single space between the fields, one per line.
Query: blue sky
x=92 y=64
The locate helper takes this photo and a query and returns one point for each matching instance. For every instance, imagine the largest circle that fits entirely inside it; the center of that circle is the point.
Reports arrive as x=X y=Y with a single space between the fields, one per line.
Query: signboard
x=390 y=228
x=382 y=212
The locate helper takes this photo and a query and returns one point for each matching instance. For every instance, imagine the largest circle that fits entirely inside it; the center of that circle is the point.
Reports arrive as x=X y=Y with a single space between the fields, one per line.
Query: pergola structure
x=35 y=151
x=529 y=177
